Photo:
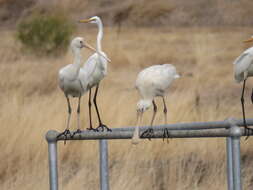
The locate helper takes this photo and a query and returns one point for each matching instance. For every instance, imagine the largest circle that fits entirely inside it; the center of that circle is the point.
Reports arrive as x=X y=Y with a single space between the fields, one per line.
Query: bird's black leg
x=101 y=125
x=252 y=96
x=65 y=134
x=89 y=104
x=165 y=111
x=149 y=133
x=247 y=129
x=166 y=134
x=165 y=131
x=78 y=131
x=67 y=131
x=242 y=102
x=154 y=113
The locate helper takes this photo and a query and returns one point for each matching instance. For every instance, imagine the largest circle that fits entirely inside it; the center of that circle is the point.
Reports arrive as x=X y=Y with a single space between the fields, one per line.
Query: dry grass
x=31 y=103
x=139 y=12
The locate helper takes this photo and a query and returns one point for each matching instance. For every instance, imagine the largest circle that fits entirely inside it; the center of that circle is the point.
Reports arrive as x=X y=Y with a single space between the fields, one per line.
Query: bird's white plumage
x=152 y=82
x=70 y=85
x=155 y=80
x=72 y=78
x=243 y=65
x=96 y=65
x=243 y=68
x=96 y=68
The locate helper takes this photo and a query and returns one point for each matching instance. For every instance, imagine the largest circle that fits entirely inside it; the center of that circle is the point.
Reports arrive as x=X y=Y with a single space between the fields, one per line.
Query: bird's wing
x=162 y=79
x=61 y=79
x=83 y=78
x=241 y=64
x=90 y=65
x=148 y=81
x=104 y=62
x=156 y=79
x=68 y=72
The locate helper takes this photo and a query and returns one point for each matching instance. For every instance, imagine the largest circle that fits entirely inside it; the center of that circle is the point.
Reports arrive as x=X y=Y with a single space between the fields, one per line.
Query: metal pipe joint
x=51 y=136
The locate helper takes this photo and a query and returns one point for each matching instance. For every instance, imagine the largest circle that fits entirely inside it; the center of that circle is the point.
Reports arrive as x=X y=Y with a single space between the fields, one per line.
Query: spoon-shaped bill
x=136 y=136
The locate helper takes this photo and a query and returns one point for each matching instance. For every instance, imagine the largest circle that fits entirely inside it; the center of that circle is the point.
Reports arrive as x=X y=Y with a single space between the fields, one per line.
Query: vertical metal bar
x=236 y=133
x=230 y=180
x=236 y=162
x=53 y=173
x=104 y=174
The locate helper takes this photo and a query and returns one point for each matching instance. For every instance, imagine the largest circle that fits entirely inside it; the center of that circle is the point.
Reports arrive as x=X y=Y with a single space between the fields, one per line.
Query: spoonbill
x=72 y=80
x=96 y=67
x=152 y=82
x=243 y=68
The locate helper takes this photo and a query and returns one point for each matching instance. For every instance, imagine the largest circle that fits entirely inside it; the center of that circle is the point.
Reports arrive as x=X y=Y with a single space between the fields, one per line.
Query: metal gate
x=231 y=129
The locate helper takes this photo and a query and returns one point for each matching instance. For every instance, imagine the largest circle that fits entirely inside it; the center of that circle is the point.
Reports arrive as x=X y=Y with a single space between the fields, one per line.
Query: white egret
x=243 y=68
x=96 y=67
x=152 y=82
x=72 y=80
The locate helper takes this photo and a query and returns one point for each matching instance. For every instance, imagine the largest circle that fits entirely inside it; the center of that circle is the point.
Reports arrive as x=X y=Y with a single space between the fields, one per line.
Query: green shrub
x=45 y=34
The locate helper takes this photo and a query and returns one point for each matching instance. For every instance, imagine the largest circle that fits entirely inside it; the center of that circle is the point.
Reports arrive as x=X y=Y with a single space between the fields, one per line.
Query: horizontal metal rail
x=196 y=125
x=194 y=130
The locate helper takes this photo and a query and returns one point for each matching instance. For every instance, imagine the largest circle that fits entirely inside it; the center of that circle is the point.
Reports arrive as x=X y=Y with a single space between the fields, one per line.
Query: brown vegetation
x=139 y=12
x=31 y=103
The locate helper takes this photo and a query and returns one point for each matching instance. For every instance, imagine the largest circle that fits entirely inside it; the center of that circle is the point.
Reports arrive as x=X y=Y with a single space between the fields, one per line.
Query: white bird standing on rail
x=72 y=80
x=152 y=82
x=96 y=67
x=243 y=68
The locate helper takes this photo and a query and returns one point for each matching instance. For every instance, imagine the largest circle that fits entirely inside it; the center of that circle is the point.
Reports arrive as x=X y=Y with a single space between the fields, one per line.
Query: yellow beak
x=88 y=46
x=85 y=20
x=249 y=40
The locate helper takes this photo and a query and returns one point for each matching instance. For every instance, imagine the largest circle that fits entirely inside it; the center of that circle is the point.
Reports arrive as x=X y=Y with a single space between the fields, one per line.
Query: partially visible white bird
x=72 y=79
x=243 y=68
x=153 y=82
x=96 y=67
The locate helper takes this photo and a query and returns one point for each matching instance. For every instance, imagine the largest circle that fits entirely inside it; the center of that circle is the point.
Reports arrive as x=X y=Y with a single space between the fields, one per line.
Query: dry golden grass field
x=201 y=39
x=31 y=104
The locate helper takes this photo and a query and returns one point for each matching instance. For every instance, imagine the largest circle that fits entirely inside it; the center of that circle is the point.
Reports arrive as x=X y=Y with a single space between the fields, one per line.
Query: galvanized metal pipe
x=186 y=131
x=90 y=135
x=127 y=132
x=230 y=177
x=53 y=173
x=193 y=125
x=236 y=134
x=52 y=158
x=236 y=163
x=103 y=158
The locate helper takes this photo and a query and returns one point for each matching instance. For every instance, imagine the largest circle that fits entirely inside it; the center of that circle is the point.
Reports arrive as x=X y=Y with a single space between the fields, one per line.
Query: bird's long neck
x=100 y=35
x=77 y=59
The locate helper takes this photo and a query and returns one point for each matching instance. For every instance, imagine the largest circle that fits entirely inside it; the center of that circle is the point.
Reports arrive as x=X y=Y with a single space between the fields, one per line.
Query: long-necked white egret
x=243 y=68
x=152 y=82
x=72 y=79
x=96 y=66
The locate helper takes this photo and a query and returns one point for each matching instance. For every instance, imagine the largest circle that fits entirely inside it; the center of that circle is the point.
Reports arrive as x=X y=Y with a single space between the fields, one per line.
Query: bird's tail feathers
x=239 y=77
x=177 y=76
